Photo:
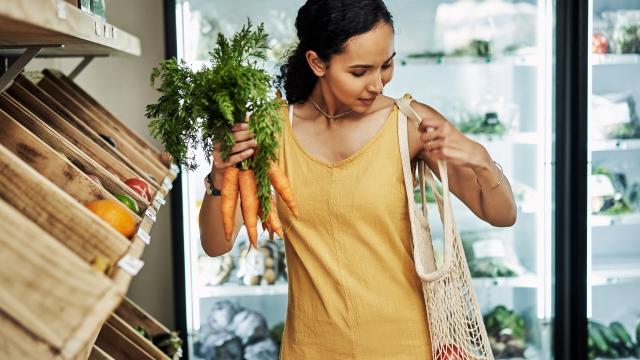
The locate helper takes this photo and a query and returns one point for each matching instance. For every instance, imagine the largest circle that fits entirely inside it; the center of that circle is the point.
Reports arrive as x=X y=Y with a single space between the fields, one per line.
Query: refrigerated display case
x=488 y=67
x=613 y=254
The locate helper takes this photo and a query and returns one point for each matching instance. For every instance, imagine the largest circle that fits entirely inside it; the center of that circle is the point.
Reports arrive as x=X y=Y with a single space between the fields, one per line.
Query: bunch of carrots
x=199 y=108
x=243 y=182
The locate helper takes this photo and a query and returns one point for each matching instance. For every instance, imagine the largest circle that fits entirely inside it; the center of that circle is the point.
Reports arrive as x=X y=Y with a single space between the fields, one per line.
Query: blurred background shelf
x=611 y=220
x=613 y=145
x=616 y=59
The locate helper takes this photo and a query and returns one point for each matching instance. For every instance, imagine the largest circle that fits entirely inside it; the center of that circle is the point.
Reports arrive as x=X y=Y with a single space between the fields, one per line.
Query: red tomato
x=450 y=352
x=599 y=44
x=141 y=185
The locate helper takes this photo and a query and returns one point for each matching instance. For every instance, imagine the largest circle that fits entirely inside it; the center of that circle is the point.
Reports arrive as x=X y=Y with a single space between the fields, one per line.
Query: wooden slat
x=92 y=105
x=130 y=333
x=51 y=86
x=134 y=315
x=40 y=104
x=59 y=143
x=57 y=212
x=118 y=346
x=50 y=164
x=99 y=354
x=35 y=267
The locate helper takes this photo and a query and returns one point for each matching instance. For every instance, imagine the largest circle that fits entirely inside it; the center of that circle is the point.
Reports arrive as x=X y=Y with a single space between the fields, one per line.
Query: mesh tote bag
x=455 y=322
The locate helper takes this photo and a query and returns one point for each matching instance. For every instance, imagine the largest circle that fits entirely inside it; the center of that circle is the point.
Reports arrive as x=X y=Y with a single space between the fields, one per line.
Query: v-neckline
x=349 y=158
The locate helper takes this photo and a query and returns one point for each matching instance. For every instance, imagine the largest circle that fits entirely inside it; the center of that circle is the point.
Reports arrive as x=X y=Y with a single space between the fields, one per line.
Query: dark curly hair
x=325 y=26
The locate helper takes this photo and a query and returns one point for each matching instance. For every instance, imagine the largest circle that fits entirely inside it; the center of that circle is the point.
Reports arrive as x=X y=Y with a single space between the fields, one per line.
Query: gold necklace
x=330 y=117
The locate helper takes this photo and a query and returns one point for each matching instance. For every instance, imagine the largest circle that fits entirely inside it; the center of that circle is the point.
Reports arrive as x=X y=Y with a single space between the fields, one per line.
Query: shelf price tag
x=99 y=28
x=130 y=264
x=159 y=199
x=62 y=10
x=151 y=215
x=167 y=184
x=146 y=238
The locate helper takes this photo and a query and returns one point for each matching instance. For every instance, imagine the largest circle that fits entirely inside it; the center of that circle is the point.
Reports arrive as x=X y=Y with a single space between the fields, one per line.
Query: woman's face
x=357 y=75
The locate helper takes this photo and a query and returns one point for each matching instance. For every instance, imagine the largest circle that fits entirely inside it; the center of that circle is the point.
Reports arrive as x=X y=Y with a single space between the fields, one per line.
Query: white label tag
x=99 y=28
x=62 y=10
x=159 y=199
x=492 y=248
x=255 y=263
x=114 y=33
x=601 y=186
x=150 y=215
x=146 y=238
x=175 y=168
x=167 y=184
x=107 y=33
x=130 y=264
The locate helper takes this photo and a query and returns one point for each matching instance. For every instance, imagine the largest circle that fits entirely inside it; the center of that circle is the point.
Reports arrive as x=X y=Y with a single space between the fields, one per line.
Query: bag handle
x=444 y=199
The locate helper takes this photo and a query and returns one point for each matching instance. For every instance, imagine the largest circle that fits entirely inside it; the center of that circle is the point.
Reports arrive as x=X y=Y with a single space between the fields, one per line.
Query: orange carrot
x=273 y=222
x=281 y=184
x=249 y=203
x=229 y=201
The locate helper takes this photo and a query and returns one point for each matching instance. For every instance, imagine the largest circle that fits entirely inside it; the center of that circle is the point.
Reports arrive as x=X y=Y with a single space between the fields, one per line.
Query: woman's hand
x=243 y=148
x=443 y=141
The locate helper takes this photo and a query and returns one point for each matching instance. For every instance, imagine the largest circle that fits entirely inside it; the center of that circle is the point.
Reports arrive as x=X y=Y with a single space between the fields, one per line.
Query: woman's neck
x=324 y=98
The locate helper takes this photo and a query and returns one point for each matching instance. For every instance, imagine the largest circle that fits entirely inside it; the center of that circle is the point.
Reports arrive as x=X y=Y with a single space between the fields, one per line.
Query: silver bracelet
x=499 y=181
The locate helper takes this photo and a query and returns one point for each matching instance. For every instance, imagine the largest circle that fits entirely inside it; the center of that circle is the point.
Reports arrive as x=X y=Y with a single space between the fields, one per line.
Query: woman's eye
x=386 y=66
x=358 y=74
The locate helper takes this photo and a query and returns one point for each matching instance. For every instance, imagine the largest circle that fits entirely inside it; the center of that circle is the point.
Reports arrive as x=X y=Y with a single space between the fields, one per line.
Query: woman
x=353 y=290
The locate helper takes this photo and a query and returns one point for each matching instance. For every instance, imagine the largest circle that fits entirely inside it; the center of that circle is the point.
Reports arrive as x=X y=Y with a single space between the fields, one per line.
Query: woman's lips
x=367 y=101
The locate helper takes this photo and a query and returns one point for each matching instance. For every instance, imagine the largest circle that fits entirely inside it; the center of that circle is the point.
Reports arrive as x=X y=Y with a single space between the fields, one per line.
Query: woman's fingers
x=243 y=135
x=244 y=145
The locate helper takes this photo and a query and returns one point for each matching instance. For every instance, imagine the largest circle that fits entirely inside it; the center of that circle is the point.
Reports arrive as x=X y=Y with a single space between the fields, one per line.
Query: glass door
x=614 y=181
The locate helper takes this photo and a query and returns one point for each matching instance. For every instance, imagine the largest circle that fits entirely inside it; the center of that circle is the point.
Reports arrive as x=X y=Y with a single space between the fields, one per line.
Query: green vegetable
x=170 y=343
x=198 y=109
x=142 y=331
x=608 y=335
x=501 y=318
x=622 y=334
x=598 y=339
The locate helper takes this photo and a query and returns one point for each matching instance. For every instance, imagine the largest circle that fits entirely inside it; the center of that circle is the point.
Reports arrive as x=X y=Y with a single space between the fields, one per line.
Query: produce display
x=623 y=31
x=506 y=332
x=612 y=341
x=199 y=109
x=170 y=343
x=214 y=270
x=232 y=332
x=257 y=267
x=614 y=116
x=489 y=255
x=611 y=193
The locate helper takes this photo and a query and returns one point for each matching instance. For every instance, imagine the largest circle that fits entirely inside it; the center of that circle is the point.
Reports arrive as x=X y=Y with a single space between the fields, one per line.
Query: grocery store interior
x=101 y=247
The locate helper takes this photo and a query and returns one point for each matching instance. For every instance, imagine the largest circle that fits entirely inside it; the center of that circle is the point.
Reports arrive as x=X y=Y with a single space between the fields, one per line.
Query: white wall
x=121 y=84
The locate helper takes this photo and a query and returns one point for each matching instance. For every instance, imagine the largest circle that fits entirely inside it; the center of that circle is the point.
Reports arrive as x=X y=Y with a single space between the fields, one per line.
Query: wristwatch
x=208 y=185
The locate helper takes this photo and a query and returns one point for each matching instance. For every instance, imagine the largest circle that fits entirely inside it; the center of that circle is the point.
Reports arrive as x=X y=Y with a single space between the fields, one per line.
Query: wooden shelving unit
x=67 y=270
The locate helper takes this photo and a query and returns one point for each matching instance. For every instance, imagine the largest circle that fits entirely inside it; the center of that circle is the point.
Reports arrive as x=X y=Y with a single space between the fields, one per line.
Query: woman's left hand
x=443 y=141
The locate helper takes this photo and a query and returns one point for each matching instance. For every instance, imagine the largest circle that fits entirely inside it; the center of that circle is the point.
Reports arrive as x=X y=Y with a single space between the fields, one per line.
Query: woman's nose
x=376 y=85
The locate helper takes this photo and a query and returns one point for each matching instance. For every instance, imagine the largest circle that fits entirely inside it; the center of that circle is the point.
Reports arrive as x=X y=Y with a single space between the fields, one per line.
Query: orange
x=115 y=214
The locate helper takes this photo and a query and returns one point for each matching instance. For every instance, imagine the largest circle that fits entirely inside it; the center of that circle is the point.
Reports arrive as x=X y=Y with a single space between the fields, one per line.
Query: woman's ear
x=316 y=64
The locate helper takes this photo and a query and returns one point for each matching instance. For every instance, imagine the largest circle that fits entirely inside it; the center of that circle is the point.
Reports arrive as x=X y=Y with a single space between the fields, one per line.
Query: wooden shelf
x=56 y=22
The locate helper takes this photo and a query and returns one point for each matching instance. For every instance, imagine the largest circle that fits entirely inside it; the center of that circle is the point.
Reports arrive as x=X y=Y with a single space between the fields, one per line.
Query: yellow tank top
x=353 y=289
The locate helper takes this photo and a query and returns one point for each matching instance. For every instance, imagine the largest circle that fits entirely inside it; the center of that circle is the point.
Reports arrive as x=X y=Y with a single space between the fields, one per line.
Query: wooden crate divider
x=53 y=87
x=60 y=171
x=66 y=122
x=118 y=126
x=35 y=267
x=128 y=331
x=41 y=105
x=118 y=346
x=57 y=212
x=59 y=143
x=99 y=354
